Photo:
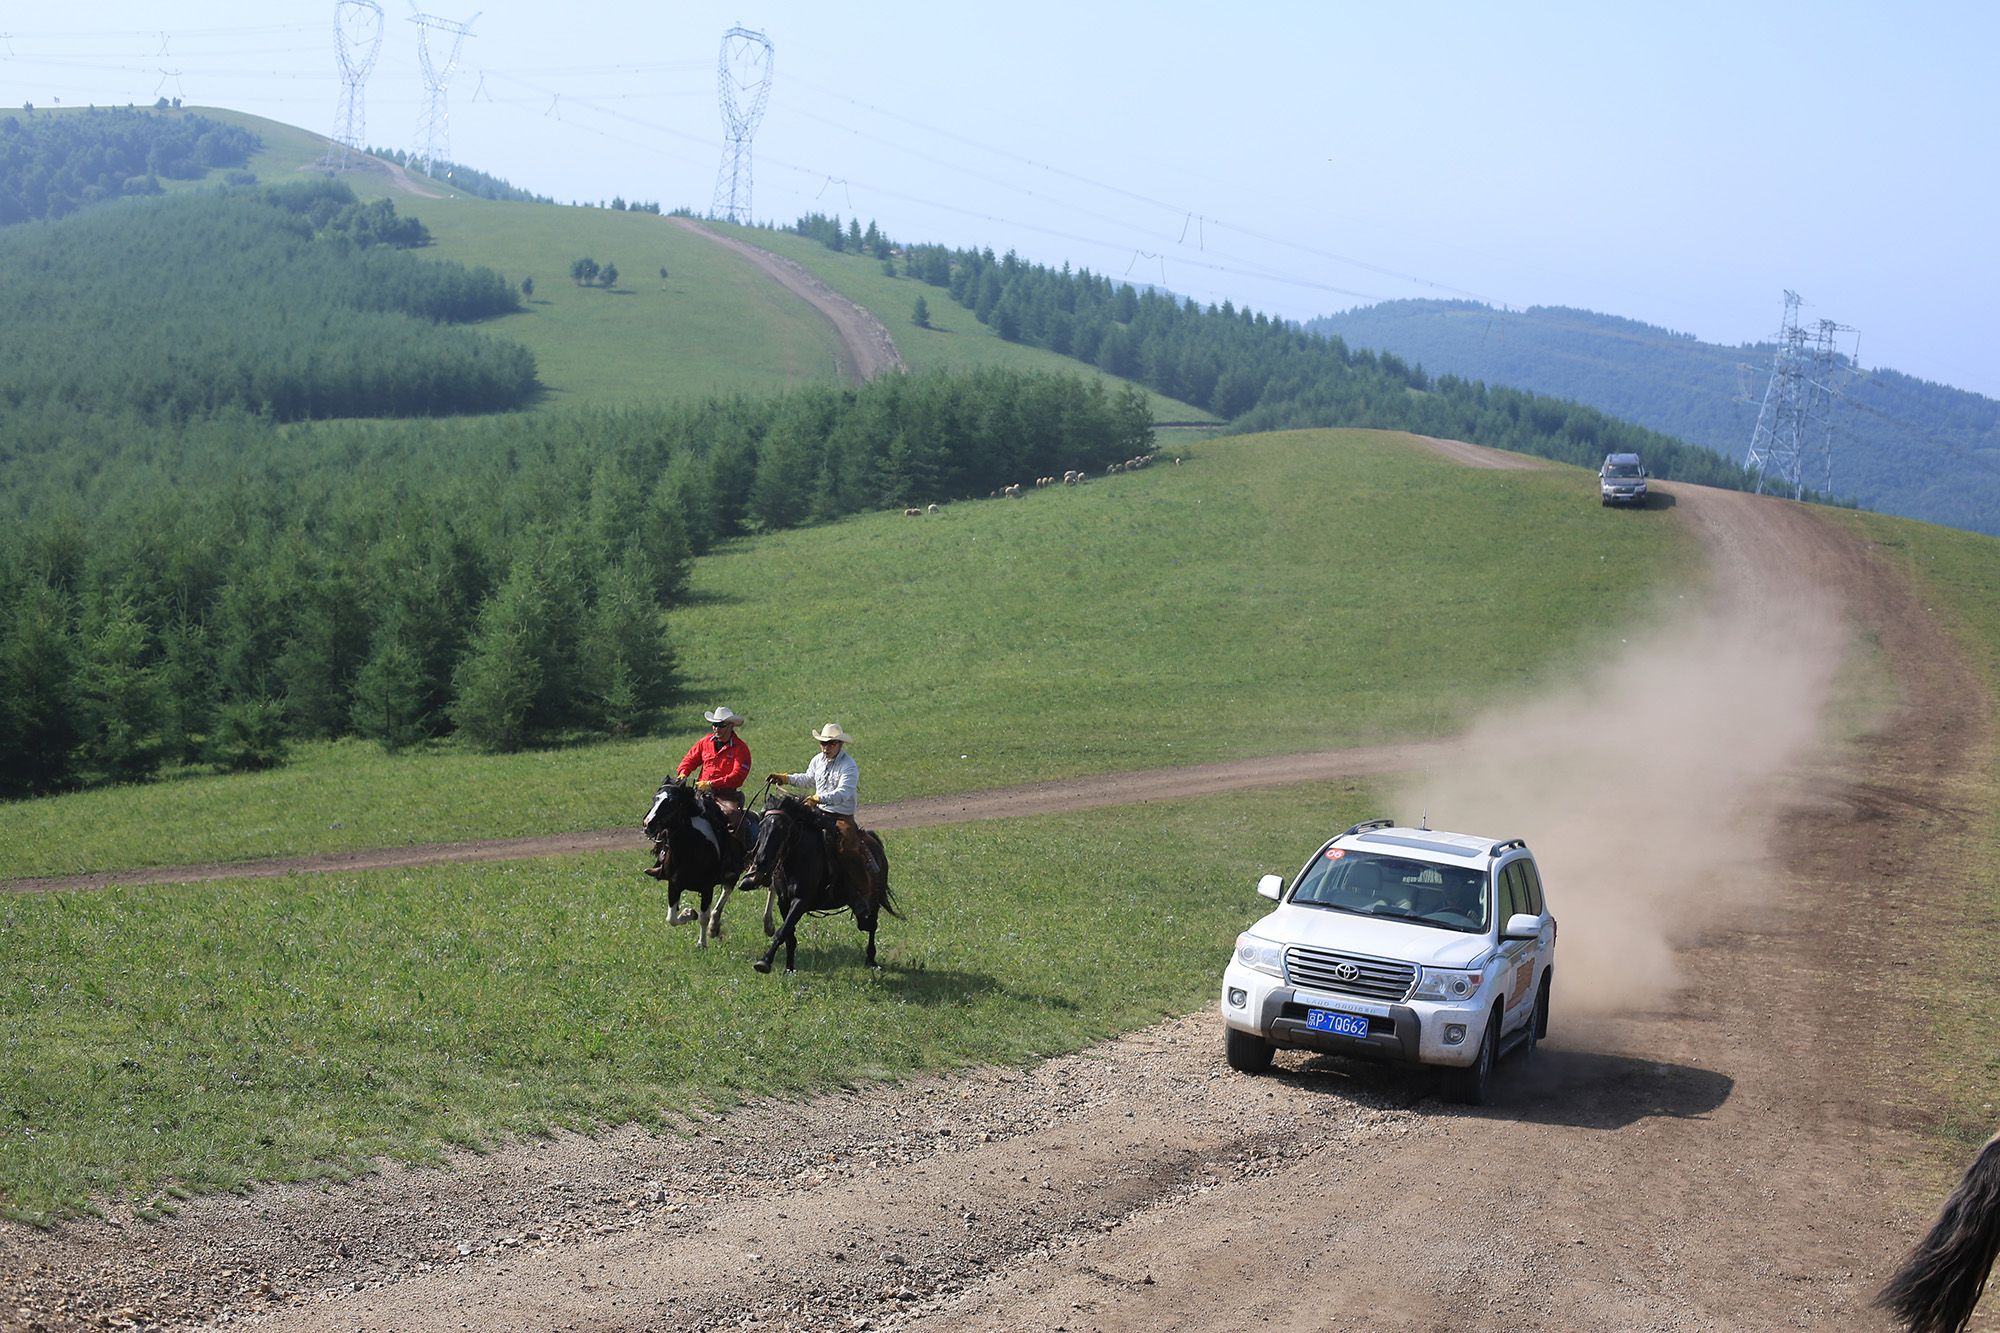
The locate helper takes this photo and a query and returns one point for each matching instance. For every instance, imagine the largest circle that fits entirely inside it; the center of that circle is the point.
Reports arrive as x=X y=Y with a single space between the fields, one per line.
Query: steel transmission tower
x=357 y=36
x=1794 y=436
x=744 y=75
x=434 y=130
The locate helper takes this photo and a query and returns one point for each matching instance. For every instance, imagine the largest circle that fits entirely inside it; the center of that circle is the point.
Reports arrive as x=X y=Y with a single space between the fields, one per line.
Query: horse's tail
x=888 y=903
x=1939 y=1285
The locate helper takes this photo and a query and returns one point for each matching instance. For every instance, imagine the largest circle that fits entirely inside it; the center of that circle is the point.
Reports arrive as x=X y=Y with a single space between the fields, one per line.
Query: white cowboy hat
x=830 y=732
x=721 y=715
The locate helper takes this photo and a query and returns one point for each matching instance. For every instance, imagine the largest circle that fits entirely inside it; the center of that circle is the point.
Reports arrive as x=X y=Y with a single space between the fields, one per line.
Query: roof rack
x=1500 y=847
x=1367 y=824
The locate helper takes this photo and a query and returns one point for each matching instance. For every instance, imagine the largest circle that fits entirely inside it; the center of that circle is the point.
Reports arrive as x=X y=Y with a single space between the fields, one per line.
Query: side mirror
x=1271 y=886
x=1522 y=926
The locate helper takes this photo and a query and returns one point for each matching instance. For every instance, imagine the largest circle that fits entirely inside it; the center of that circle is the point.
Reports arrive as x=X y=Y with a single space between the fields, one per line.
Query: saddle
x=857 y=855
x=733 y=842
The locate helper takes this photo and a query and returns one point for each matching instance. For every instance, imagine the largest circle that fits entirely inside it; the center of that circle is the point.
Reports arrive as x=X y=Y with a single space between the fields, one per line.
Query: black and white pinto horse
x=792 y=858
x=1938 y=1286
x=693 y=849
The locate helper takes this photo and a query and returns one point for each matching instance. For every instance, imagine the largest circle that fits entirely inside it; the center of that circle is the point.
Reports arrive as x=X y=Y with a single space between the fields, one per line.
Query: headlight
x=1448 y=984
x=1260 y=955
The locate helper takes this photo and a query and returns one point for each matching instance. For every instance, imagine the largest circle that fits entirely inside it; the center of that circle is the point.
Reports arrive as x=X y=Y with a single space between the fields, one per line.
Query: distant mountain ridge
x=1902 y=445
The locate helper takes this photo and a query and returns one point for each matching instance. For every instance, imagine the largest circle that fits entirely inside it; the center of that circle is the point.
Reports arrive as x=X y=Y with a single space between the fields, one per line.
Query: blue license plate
x=1332 y=1020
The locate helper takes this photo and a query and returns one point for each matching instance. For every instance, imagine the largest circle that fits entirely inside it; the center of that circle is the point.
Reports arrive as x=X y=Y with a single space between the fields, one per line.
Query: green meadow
x=1274 y=595
x=713 y=325
x=163 y=1041
x=955 y=340
x=1957 y=988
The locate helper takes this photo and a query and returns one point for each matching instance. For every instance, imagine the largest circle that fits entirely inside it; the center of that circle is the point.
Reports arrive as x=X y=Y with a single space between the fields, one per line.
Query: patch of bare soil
x=1726 y=1157
x=869 y=351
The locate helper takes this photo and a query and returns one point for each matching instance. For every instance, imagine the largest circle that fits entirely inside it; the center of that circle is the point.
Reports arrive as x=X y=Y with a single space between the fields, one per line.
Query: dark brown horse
x=1938 y=1286
x=792 y=857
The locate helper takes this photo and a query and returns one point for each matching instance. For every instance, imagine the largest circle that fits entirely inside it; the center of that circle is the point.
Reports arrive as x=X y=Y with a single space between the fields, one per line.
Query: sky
x=1681 y=164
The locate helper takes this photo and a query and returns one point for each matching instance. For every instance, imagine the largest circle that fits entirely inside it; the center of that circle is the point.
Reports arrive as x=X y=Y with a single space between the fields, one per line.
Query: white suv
x=1400 y=944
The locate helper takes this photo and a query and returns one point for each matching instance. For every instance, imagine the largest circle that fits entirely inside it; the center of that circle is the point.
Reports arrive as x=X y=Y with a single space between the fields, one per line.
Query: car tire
x=1471 y=1085
x=1542 y=1007
x=1246 y=1053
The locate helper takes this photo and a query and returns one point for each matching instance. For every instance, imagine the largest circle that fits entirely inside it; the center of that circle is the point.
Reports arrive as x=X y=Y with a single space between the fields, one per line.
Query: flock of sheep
x=1073 y=477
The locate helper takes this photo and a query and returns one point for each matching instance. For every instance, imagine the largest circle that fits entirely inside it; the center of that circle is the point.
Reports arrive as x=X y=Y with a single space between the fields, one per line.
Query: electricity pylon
x=1794 y=434
x=744 y=79
x=357 y=37
x=434 y=131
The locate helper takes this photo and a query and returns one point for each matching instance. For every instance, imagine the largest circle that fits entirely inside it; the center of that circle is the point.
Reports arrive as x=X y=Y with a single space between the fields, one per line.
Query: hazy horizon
x=1681 y=168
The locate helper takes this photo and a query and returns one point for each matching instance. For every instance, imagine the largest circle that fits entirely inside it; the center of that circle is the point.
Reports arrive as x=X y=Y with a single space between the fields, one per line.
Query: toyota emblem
x=1346 y=972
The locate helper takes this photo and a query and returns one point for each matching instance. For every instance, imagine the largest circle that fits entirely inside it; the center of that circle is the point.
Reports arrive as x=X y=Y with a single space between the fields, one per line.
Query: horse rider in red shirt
x=721 y=761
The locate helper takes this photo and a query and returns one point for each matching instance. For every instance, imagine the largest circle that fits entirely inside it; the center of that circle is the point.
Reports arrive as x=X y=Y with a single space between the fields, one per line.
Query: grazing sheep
x=913 y=513
x=933 y=509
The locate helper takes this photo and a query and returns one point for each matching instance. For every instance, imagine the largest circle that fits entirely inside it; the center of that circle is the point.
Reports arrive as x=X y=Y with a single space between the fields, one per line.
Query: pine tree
x=389 y=704
x=37 y=705
x=117 y=697
x=495 y=685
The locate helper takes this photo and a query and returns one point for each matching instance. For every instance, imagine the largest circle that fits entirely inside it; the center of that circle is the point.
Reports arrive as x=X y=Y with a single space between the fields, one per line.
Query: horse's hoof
x=770 y=931
x=762 y=965
x=681 y=918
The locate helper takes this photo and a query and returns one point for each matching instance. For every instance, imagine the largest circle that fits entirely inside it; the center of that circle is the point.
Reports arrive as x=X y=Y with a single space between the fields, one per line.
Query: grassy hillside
x=1901 y=444
x=159 y=1041
x=1274 y=595
x=714 y=325
x=955 y=339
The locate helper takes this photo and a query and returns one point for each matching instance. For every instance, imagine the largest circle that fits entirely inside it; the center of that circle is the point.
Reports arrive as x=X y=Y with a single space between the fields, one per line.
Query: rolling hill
x=1901 y=445
x=713 y=324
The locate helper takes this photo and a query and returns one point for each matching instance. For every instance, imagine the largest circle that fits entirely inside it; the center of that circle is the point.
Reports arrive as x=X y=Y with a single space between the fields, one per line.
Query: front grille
x=1372 y=978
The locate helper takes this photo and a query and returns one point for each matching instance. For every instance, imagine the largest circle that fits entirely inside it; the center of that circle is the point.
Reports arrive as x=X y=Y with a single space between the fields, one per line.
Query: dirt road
x=867 y=348
x=1038 y=798
x=1731 y=1155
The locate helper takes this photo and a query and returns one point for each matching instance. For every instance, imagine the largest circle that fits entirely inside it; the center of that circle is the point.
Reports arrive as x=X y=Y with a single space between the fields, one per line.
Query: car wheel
x=1471 y=1084
x=1247 y=1053
x=1542 y=1007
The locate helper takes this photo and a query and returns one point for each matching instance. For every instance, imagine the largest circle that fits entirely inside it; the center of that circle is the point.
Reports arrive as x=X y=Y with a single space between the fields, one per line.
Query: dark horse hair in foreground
x=1938 y=1286
x=692 y=850
x=791 y=858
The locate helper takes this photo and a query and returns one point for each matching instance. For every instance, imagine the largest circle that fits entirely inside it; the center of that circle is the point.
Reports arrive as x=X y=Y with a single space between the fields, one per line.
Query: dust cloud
x=1647 y=787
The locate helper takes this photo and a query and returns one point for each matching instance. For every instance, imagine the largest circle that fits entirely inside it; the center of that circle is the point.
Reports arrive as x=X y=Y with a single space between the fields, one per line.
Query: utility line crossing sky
x=1679 y=164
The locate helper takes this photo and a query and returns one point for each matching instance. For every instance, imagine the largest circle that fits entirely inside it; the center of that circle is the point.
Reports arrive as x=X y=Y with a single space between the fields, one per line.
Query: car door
x=1518 y=958
x=1544 y=946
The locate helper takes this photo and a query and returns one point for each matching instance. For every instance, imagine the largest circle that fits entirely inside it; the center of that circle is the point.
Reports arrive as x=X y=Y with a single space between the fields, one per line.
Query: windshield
x=1622 y=471
x=1366 y=884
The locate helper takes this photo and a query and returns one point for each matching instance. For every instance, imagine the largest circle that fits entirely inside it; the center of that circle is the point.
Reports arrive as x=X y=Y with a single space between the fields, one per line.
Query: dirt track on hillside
x=868 y=350
x=1733 y=1155
x=1038 y=798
